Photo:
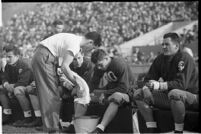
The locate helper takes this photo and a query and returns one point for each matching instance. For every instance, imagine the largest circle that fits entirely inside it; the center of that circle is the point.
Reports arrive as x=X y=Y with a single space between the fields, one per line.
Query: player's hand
x=30 y=89
x=68 y=85
x=101 y=98
x=153 y=84
x=6 y=85
x=62 y=79
x=33 y=84
x=9 y=87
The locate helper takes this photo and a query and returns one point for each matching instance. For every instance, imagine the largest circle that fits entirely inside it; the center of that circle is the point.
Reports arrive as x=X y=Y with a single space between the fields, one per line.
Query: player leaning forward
x=45 y=63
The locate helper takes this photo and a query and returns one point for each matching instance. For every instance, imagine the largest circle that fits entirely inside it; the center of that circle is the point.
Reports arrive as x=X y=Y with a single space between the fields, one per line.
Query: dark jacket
x=119 y=75
x=179 y=71
x=85 y=71
x=18 y=74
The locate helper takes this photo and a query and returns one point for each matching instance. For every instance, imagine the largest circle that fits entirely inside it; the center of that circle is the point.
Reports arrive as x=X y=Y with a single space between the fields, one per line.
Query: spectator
x=151 y=57
x=177 y=89
x=58 y=27
x=138 y=56
x=116 y=26
x=120 y=79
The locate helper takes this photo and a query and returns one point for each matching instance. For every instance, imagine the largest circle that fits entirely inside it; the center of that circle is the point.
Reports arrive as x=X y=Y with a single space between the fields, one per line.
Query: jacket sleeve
x=95 y=80
x=153 y=73
x=87 y=75
x=4 y=75
x=185 y=67
x=87 y=72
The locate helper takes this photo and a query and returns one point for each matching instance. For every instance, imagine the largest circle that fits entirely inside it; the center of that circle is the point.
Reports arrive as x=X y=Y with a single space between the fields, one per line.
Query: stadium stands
x=116 y=21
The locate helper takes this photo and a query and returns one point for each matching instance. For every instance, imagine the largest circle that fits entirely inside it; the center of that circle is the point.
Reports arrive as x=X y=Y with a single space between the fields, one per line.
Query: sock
x=7 y=111
x=27 y=113
x=65 y=124
x=179 y=127
x=101 y=127
x=37 y=113
x=151 y=125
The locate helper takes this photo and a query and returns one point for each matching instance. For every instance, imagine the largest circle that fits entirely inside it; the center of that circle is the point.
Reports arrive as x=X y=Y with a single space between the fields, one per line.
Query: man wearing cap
x=45 y=62
x=178 y=86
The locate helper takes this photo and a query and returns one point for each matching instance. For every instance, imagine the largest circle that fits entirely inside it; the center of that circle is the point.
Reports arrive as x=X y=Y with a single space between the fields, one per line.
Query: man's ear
x=91 y=42
x=178 y=45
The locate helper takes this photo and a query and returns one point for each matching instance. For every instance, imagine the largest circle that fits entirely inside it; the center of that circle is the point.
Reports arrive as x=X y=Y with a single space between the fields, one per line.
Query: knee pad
x=19 y=90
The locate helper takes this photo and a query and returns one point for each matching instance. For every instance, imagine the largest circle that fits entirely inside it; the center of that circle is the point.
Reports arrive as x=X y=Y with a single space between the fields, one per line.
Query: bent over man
x=45 y=63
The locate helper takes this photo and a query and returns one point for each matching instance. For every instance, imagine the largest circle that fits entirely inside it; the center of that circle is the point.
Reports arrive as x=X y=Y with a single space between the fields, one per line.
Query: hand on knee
x=176 y=95
x=19 y=90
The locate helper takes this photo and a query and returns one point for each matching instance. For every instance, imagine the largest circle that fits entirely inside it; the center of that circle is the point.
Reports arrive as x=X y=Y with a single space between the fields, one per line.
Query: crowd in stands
x=116 y=21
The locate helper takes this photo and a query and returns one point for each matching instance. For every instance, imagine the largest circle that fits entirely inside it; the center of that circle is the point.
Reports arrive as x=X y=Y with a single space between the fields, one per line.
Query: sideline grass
x=8 y=129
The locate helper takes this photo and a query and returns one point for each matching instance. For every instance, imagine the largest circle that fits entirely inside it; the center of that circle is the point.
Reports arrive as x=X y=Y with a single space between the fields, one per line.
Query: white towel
x=83 y=86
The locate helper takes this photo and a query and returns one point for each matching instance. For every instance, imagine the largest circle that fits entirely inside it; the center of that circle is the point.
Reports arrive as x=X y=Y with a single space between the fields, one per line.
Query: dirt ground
x=8 y=129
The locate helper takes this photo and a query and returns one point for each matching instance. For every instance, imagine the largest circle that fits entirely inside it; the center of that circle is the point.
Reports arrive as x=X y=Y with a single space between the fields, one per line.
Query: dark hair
x=174 y=37
x=96 y=37
x=12 y=48
x=97 y=55
x=58 y=22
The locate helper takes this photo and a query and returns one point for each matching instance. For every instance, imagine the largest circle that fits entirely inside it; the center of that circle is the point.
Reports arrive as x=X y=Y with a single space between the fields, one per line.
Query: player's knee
x=20 y=90
x=116 y=96
x=174 y=95
x=119 y=98
x=138 y=95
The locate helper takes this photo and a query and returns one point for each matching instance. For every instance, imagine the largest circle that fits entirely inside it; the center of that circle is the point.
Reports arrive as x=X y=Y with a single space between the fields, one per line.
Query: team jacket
x=118 y=74
x=179 y=71
x=85 y=71
x=18 y=74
